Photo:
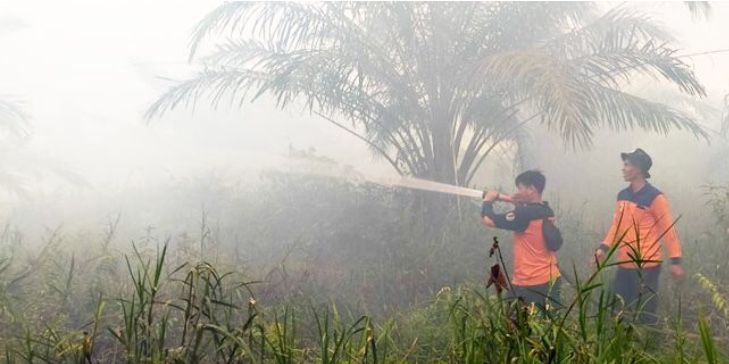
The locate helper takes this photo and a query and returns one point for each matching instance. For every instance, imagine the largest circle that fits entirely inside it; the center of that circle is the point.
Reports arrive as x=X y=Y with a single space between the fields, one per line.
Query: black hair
x=533 y=178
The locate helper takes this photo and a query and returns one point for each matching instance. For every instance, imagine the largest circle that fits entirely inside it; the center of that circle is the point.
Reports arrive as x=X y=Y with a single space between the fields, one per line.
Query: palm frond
x=701 y=110
x=518 y=25
x=624 y=111
x=226 y=16
x=284 y=25
x=212 y=84
x=619 y=56
x=552 y=85
x=578 y=95
x=13 y=119
x=619 y=22
x=699 y=9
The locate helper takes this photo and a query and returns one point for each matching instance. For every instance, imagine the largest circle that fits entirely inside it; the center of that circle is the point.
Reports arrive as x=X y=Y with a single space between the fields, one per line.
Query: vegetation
x=194 y=298
x=434 y=88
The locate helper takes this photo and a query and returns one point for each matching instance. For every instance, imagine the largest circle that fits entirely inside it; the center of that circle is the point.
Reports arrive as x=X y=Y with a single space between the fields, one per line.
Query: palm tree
x=20 y=166
x=434 y=88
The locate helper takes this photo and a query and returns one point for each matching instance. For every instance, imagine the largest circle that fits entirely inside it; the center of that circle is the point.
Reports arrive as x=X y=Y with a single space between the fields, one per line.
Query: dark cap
x=640 y=159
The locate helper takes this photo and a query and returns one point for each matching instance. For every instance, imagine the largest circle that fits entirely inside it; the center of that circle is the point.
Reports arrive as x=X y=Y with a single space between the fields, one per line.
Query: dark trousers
x=639 y=290
x=540 y=295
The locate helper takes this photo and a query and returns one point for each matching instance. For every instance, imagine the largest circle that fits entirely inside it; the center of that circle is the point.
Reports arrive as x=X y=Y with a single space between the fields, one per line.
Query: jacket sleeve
x=612 y=235
x=665 y=225
x=515 y=220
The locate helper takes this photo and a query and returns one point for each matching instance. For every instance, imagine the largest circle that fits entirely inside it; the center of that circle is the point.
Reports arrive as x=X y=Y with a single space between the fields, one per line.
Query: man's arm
x=514 y=220
x=665 y=225
x=612 y=235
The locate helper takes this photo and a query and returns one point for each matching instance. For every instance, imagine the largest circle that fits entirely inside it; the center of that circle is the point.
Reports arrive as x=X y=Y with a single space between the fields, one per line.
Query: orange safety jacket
x=642 y=219
x=534 y=263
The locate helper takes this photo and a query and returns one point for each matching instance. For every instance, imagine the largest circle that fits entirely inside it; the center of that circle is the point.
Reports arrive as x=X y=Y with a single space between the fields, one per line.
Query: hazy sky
x=87 y=71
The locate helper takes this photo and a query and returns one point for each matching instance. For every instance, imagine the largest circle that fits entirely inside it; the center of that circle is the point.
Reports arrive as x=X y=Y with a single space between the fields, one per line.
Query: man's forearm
x=487 y=209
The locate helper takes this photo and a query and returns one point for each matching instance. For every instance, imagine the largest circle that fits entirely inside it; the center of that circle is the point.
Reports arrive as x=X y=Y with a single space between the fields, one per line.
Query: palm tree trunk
x=439 y=207
x=443 y=156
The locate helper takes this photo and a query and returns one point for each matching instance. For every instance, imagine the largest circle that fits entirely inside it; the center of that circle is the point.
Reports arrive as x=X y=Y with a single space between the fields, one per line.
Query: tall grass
x=192 y=313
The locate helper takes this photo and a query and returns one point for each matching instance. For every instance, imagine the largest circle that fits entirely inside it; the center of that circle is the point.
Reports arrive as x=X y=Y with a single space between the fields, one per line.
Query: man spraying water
x=536 y=277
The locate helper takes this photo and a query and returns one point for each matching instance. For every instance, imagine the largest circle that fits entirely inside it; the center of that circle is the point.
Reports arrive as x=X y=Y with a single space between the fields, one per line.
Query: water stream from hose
x=426 y=185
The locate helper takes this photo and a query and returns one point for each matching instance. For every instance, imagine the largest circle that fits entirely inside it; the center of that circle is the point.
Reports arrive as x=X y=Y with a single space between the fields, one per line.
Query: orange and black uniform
x=641 y=219
x=536 y=274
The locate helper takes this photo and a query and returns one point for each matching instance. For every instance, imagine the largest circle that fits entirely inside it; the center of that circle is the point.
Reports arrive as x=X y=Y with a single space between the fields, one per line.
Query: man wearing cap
x=642 y=218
